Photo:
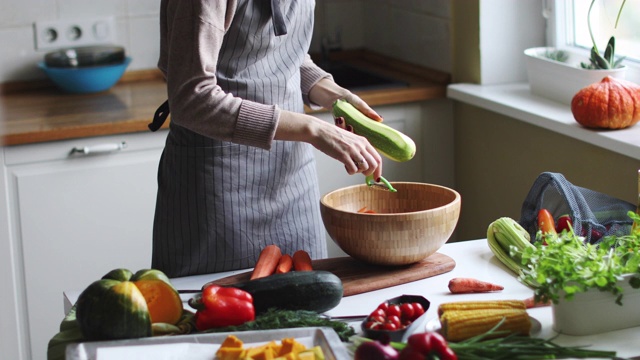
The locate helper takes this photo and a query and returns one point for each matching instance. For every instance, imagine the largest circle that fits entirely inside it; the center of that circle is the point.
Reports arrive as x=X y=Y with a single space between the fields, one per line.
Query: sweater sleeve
x=190 y=41
x=310 y=74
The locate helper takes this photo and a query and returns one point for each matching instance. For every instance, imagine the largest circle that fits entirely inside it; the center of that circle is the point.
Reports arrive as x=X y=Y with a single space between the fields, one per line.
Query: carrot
x=470 y=285
x=302 y=261
x=267 y=262
x=530 y=302
x=364 y=210
x=285 y=264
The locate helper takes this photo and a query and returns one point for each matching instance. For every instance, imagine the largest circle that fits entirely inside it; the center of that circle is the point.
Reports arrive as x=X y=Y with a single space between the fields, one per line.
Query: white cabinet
x=74 y=217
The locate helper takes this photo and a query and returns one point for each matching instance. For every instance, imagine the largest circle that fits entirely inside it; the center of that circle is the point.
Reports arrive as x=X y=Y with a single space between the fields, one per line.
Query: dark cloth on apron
x=220 y=203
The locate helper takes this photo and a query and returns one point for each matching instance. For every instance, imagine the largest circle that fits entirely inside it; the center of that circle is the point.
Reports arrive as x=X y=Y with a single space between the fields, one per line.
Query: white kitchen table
x=473 y=259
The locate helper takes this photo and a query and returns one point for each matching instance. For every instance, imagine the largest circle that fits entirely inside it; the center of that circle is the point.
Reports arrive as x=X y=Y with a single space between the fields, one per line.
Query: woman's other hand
x=326 y=92
x=338 y=142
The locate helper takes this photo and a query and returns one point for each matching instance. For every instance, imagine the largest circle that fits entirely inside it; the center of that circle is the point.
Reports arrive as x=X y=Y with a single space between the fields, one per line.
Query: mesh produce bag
x=593 y=214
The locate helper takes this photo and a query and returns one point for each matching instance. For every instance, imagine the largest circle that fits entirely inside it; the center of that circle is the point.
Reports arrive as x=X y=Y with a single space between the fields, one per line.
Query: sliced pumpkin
x=163 y=301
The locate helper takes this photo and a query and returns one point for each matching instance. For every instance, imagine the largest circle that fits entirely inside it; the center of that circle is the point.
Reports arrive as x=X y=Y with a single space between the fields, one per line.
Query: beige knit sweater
x=191 y=36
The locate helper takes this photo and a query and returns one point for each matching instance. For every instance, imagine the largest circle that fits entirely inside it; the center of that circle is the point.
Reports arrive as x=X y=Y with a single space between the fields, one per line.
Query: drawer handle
x=99 y=149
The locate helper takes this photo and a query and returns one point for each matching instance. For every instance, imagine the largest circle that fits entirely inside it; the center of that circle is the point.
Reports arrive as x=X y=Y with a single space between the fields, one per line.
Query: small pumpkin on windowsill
x=608 y=104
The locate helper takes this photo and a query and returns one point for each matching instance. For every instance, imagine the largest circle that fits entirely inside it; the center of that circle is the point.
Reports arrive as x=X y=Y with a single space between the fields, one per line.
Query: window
x=567 y=26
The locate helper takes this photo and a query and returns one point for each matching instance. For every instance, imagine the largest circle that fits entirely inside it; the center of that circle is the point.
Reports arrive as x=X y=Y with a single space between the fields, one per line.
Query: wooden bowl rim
x=457 y=199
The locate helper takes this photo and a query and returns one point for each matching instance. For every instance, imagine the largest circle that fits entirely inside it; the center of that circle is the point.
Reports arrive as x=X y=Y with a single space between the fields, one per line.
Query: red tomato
x=418 y=310
x=394 y=320
x=373 y=325
x=389 y=326
x=384 y=306
x=378 y=312
x=407 y=311
x=394 y=310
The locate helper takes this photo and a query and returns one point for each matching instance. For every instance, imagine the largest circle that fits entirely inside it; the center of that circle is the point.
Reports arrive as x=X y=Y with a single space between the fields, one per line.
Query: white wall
x=417 y=31
x=508 y=28
x=136 y=27
x=412 y=30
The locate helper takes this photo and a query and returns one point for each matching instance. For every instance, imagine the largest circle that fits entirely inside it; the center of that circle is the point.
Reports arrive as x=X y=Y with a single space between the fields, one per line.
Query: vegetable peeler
x=383 y=184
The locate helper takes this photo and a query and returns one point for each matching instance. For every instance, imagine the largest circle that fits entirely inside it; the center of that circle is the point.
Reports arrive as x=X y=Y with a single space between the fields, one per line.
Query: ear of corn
x=458 y=325
x=481 y=305
x=507 y=239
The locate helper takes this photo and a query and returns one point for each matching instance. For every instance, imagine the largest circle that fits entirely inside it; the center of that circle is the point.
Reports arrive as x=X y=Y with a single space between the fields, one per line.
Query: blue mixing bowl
x=89 y=79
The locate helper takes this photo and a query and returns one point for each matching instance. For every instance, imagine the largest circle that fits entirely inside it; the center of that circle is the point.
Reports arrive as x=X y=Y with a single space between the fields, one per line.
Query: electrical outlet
x=64 y=33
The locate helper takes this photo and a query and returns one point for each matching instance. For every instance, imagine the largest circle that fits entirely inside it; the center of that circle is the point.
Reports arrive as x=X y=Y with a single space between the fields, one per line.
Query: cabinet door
x=332 y=175
x=77 y=219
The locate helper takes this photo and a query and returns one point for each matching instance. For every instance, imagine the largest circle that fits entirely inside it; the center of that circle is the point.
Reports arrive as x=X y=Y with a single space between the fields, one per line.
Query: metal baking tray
x=199 y=346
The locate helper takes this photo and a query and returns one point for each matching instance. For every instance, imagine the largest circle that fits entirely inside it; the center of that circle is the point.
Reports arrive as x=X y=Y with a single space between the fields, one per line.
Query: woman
x=237 y=172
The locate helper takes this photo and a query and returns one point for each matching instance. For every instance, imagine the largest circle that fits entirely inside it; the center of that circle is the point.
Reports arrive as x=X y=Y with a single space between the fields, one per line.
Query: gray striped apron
x=220 y=203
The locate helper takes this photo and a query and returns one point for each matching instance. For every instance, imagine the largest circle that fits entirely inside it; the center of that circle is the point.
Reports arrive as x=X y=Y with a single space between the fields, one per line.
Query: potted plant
x=558 y=74
x=592 y=288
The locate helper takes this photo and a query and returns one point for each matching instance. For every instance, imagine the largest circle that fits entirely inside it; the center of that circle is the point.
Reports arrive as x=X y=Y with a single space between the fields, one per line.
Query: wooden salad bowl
x=401 y=228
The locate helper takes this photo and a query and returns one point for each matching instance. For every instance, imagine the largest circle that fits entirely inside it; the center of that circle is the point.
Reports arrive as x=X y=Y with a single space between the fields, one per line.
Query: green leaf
x=609 y=53
x=601 y=281
x=601 y=62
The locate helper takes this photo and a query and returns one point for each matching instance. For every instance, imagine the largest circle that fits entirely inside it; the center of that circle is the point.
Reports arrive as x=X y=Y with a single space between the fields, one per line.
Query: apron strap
x=160 y=116
x=279 y=26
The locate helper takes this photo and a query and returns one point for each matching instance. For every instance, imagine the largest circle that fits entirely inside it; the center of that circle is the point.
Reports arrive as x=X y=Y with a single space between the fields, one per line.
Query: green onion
x=510 y=347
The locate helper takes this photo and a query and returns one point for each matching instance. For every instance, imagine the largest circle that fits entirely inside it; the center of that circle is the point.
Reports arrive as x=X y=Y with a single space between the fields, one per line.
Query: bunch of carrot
x=273 y=261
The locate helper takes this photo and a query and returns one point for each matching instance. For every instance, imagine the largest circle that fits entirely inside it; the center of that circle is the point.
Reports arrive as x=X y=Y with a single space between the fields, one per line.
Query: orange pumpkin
x=608 y=104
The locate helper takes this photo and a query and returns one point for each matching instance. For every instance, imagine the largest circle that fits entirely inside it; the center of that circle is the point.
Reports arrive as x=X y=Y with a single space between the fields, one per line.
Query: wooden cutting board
x=358 y=277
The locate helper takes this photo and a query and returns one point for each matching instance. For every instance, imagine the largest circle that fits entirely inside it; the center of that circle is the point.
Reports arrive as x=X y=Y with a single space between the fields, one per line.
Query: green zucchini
x=315 y=290
x=388 y=141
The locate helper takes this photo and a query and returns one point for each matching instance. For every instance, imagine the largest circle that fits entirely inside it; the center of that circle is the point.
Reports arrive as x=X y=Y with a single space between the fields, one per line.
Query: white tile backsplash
x=344 y=22
x=422 y=39
x=71 y=9
x=145 y=45
x=413 y=30
x=18 y=59
x=143 y=7
x=21 y=13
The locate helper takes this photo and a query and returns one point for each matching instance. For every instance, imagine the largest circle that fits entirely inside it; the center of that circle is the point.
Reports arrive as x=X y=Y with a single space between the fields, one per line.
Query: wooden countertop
x=37 y=112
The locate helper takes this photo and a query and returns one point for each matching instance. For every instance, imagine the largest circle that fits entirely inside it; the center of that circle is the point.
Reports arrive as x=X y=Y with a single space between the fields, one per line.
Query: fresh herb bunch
x=567 y=265
x=608 y=60
x=284 y=319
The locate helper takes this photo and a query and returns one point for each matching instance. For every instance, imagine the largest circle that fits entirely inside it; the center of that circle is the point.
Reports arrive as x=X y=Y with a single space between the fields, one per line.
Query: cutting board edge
x=443 y=269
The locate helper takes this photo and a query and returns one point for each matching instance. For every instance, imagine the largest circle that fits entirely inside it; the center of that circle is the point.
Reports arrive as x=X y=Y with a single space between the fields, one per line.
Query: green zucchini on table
x=315 y=290
x=388 y=141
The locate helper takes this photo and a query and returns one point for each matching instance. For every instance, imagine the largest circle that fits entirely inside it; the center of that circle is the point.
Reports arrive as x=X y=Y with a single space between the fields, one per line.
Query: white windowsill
x=515 y=100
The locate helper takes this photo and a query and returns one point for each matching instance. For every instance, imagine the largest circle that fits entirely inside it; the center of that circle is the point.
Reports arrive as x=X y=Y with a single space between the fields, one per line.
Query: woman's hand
x=326 y=92
x=359 y=163
x=354 y=151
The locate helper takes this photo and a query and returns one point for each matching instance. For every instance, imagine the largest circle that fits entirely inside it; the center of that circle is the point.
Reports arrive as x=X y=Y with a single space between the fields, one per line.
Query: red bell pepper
x=546 y=223
x=224 y=306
